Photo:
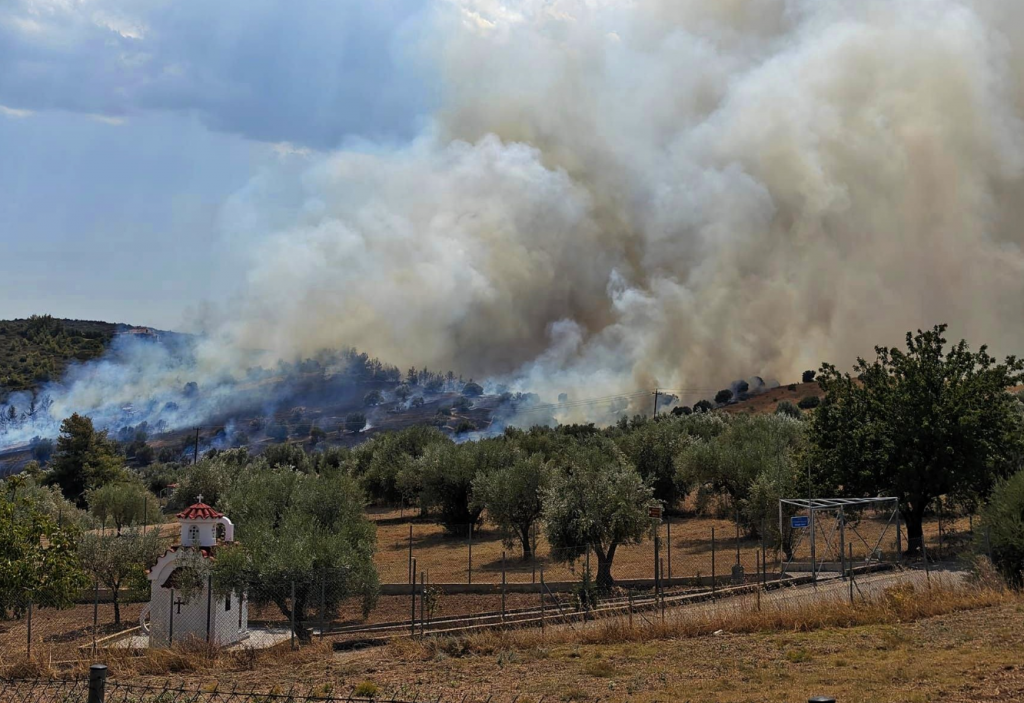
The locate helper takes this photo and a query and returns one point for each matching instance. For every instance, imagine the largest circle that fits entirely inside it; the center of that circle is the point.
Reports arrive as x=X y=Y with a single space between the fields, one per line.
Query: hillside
x=769 y=400
x=37 y=350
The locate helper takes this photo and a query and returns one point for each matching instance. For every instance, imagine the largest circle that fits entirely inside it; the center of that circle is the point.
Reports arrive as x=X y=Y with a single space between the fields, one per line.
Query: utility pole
x=656 y=394
x=195 y=452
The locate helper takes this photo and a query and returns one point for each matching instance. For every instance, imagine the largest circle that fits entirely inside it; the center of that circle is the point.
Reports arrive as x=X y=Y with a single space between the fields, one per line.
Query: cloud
x=15 y=114
x=309 y=74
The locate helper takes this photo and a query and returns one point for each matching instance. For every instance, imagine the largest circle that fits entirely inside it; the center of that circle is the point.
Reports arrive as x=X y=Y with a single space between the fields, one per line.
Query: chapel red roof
x=199 y=511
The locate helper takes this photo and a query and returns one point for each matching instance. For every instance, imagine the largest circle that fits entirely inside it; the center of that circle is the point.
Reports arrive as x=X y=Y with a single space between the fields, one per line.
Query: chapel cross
x=199 y=498
x=179 y=603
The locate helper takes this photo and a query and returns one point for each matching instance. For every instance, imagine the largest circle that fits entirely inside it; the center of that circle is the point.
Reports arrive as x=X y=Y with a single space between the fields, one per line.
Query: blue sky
x=126 y=125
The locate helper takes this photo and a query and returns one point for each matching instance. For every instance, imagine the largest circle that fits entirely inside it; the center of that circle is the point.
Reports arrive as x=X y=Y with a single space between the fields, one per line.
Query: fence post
x=470 y=569
x=423 y=604
x=293 y=615
x=712 y=562
x=503 y=588
x=95 y=612
x=412 y=590
x=657 y=560
x=30 y=627
x=899 y=538
x=764 y=557
x=542 y=600
x=851 y=573
x=738 y=538
x=668 y=548
x=323 y=602
x=757 y=555
x=412 y=569
x=988 y=541
x=97 y=683
x=209 y=607
x=631 y=608
x=842 y=542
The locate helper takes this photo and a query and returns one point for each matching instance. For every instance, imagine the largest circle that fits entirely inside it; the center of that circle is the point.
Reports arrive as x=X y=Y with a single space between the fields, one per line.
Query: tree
x=762 y=451
x=117 y=560
x=596 y=500
x=808 y=376
x=472 y=390
x=703 y=406
x=403 y=392
x=316 y=435
x=1002 y=521
x=723 y=396
x=785 y=407
x=305 y=530
x=85 y=459
x=124 y=503
x=809 y=402
x=210 y=478
x=47 y=576
x=447 y=472
x=355 y=422
x=651 y=446
x=512 y=496
x=742 y=387
x=373 y=398
x=917 y=424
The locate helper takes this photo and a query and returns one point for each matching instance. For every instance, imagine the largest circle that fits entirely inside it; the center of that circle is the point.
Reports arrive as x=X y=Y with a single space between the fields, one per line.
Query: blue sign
x=799 y=521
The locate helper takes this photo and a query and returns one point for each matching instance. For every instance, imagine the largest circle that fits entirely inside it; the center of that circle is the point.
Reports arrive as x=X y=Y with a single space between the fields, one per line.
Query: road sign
x=799 y=521
x=654 y=512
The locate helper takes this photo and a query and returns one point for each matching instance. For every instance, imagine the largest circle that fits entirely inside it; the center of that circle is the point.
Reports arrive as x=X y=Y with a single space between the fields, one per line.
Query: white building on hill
x=202 y=614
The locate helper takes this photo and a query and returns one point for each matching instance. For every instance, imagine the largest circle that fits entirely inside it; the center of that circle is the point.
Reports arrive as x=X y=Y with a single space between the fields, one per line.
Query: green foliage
x=651 y=446
x=355 y=422
x=703 y=406
x=585 y=594
x=917 y=424
x=211 y=477
x=277 y=431
x=301 y=528
x=393 y=455
x=38 y=558
x=39 y=349
x=596 y=500
x=723 y=396
x=84 y=460
x=472 y=390
x=809 y=402
x=124 y=503
x=754 y=459
x=787 y=408
x=511 y=495
x=1002 y=526
x=447 y=473
x=120 y=560
x=373 y=398
x=808 y=376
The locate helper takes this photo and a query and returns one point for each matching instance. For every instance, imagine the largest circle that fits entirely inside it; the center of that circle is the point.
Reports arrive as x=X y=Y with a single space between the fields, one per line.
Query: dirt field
x=956 y=658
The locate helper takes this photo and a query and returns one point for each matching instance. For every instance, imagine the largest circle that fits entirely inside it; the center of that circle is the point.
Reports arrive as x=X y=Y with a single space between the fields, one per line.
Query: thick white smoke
x=617 y=195
x=665 y=193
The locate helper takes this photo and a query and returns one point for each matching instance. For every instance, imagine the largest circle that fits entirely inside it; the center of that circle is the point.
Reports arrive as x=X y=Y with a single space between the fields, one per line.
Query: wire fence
x=436 y=581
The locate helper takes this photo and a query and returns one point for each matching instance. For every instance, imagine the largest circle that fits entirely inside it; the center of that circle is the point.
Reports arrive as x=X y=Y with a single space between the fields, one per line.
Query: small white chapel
x=219 y=619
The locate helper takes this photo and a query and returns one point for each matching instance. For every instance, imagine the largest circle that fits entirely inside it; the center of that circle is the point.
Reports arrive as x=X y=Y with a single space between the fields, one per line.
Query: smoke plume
x=661 y=193
x=664 y=193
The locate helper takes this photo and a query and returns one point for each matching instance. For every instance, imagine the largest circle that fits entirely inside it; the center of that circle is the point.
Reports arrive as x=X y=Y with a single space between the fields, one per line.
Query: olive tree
x=596 y=501
x=123 y=503
x=305 y=530
x=512 y=496
x=119 y=560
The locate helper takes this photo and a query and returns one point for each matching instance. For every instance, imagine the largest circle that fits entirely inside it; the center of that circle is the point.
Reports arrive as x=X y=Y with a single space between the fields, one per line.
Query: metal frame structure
x=816 y=505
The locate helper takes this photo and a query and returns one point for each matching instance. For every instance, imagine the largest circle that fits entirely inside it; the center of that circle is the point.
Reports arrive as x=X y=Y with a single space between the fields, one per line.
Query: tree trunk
x=117 y=607
x=604 y=567
x=914 y=518
x=524 y=537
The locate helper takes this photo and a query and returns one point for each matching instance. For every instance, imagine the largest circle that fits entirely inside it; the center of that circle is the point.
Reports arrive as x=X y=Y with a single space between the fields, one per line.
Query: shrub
x=372 y=398
x=810 y=402
x=682 y=410
x=787 y=408
x=808 y=376
x=703 y=406
x=472 y=390
x=1003 y=528
x=723 y=396
x=355 y=422
x=465 y=426
x=791 y=386
x=462 y=404
x=417 y=401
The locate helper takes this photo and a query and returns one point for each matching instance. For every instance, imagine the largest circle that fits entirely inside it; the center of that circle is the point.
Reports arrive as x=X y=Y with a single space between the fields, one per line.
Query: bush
x=808 y=376
x=787 y=408
x=723 y=396
x=810 y=402
x=462 y=404
x=417 y=402
x=372 y=398
x=703 y=406
x=472 y=390
x=682 y=410
x=1003 y=528
x=355 y=422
